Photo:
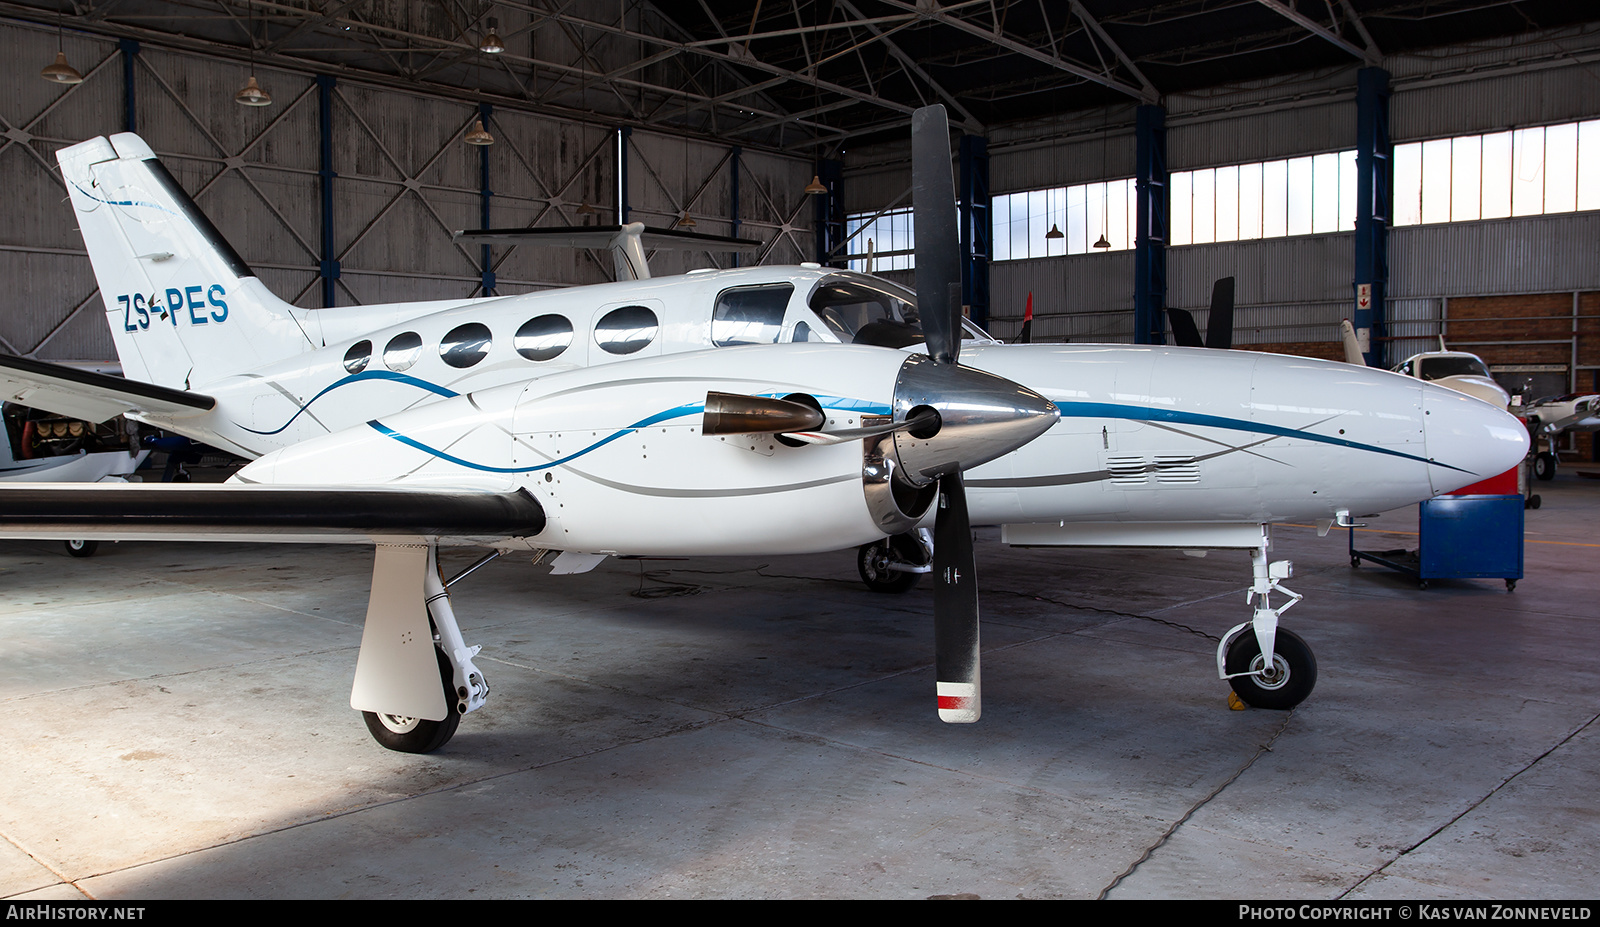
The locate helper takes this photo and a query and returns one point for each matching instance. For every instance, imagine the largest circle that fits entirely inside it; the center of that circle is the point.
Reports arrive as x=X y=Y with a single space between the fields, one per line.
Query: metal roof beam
x=1105 y=79
x=906 y=60
x=1127 y=62
x=1312 y=26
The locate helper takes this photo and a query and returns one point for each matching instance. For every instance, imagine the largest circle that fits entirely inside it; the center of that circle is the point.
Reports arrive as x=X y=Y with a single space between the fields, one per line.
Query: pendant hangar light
x=686 y=221
x=58 y=71
x=492 y=44
x=478 y=135
x=251 y=93
x=1105 y=217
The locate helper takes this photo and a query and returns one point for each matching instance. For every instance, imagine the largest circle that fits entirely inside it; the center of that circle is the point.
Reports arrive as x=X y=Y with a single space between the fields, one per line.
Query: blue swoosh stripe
x=852 y=405
x=122 y=202
x=358 y=378
x=1143 y=414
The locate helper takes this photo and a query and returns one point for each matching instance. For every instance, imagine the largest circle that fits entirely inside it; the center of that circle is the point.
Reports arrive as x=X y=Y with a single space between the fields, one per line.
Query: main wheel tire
x=1295 y=671
x=417 y=735
x=82 y=548
x=1544 y=465
x=872 y=562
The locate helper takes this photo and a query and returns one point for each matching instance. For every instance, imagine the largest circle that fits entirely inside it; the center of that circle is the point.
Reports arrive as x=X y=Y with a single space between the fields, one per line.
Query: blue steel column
x=325 y=174
x=977 y=228
x=733 y=196
x=130 y=51
x=1374 y=207
x=830 y=214
x=624 y=134
x=1150 y=248
x=484 y=112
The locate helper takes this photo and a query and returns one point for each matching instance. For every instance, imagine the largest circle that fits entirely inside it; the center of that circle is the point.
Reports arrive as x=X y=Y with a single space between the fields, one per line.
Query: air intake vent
x=1127 y=471
x=1177 y=470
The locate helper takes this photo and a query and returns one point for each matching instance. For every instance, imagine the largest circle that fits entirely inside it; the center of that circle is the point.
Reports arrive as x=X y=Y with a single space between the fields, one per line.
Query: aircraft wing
x=602 y=236
x=94 y=397
x=242 y=512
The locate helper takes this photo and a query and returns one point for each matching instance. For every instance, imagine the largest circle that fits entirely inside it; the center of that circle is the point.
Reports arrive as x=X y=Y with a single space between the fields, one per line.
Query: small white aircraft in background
x=1547 y=418
x=763 y=409
x=1457 y=370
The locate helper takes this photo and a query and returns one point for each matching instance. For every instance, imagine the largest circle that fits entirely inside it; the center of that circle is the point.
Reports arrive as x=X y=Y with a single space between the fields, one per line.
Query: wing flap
x=93 y=397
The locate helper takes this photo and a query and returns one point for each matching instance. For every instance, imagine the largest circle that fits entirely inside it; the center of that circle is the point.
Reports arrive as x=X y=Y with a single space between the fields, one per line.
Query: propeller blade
x=955 y=607
x=1219 y=327
x=938 y=246
x=733 y=414
x=1184 y=331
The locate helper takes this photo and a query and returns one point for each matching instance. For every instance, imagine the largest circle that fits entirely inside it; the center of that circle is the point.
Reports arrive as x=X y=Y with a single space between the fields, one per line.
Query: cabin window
x=543 y=338
x=402 y=351
x=358 y=357
x=625 y=330
x=749 y=315
x=465 y=345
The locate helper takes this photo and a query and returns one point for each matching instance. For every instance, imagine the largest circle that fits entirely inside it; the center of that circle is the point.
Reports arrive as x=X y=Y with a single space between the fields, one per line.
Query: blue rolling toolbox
x=1461 y=537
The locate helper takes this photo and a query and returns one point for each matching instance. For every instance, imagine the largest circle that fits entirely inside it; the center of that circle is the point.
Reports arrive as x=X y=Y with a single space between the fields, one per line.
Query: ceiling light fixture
x=478 y=135
x=59 y=72
x=1054 y=233
x=492 y=44
x=251 y=93
x=815 y=187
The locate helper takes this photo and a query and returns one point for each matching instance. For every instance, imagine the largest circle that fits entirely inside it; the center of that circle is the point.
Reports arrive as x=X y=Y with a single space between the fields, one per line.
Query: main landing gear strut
x=414 y=677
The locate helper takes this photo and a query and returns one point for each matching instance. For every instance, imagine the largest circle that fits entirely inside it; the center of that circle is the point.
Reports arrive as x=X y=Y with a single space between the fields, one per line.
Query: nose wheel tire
x=1544 y=465
x=82 y=548
x=417 y=735
x=1285 y=684
x=872 y=561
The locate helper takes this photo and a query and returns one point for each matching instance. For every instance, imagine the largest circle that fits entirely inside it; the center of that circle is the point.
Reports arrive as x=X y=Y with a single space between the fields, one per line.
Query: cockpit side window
x=1435 y=368
x=861 y=314
x=749 y=314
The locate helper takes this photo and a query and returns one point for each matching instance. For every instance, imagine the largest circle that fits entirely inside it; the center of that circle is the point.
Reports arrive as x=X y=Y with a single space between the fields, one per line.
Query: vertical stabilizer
x=183 y=308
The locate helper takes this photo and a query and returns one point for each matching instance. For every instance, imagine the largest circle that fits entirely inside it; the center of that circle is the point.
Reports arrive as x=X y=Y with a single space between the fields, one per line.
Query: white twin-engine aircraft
x=749 y=411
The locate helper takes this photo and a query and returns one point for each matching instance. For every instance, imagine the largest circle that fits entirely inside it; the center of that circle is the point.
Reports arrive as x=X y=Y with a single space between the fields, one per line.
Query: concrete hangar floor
x=177 y=726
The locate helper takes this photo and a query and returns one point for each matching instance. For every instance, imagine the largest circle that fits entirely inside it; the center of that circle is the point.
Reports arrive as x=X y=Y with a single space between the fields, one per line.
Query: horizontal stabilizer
x=601 y=236
x=93 y=397
x=267 y=513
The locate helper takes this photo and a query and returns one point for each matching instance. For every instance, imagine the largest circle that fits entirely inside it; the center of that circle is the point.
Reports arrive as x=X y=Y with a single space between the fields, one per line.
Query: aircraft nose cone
x=1468 y=440
x=981 y=416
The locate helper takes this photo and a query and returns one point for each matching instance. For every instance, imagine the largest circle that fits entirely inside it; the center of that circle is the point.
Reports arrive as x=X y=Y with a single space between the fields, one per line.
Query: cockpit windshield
x=1437 y=368
x=865 y=310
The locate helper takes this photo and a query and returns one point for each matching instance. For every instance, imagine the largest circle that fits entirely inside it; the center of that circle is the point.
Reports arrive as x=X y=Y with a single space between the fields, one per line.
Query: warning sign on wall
x=1363 y=296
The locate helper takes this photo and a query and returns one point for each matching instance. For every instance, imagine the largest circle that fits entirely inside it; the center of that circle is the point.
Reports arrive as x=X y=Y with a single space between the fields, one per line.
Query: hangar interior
x=719 y=728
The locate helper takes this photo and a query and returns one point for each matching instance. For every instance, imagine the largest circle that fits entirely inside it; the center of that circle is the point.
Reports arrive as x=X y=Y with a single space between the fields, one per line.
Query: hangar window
x=465 y=345
x=625 y=330
x=1520 y=172
x=358 y=357
x=543 y=338
x=749 y=315
x=402 y=351
x=888 y=235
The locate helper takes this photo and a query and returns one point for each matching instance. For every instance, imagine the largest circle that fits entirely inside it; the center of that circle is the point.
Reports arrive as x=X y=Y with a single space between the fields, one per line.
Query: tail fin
x=183 y=308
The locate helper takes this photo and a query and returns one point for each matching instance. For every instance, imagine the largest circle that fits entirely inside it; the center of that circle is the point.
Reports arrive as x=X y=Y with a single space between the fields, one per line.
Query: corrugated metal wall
x=404 y=182
x=1294 y=291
